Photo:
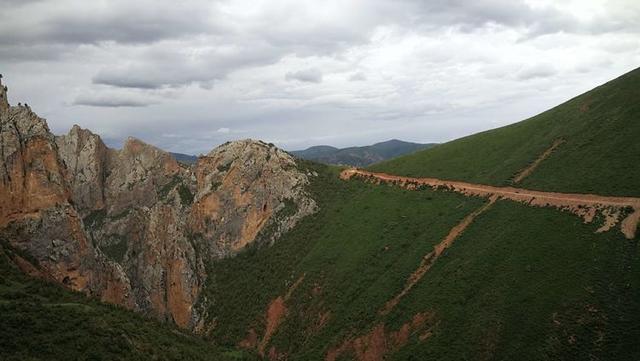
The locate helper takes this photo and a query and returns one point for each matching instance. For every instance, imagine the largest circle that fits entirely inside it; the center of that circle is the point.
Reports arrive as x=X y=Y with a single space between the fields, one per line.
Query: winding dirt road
x=613 y=209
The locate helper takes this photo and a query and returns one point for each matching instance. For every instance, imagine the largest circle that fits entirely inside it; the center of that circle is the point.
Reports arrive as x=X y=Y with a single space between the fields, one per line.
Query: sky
x=188 y=75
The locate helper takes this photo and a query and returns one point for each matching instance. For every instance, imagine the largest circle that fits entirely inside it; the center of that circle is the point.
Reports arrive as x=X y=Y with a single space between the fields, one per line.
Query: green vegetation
x=167 y=188
x=520 y=283
x=95 y=219
x=600 y=155
x=355 y=252
x=528 y=283
x=42 y=321
x=186 y=197
x=223 y=167
x=116 y=249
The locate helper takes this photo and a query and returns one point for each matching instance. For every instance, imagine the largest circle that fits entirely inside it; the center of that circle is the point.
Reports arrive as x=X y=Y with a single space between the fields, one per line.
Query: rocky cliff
x=133 y=226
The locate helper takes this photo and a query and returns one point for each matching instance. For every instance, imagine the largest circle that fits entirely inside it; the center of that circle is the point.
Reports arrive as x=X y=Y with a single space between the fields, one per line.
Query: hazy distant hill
x=360 y=156
x=185 y=158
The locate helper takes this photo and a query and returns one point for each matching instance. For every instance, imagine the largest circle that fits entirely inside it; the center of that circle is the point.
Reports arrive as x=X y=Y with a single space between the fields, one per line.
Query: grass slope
x=520 y=283
x=355 y=253
x=43 y=321
x=531 y=284
x=600 y=155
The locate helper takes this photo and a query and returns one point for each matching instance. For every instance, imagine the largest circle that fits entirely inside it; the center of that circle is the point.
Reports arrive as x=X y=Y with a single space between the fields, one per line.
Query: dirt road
x=613 y=209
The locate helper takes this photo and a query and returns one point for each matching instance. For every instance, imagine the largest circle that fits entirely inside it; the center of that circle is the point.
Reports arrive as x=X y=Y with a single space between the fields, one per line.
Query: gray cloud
x=537 y=71
x=535 y=21
x=81 y=22
x=305 y=76
x=110 y=101
x=424 y=70
x=359 y=76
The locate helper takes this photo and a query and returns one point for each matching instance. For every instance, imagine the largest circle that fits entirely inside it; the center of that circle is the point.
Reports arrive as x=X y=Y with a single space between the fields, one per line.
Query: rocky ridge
x=133 y=226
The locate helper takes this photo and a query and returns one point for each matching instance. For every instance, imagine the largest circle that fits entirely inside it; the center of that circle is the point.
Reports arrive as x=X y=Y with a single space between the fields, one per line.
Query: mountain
x=360 y=156
x=185 y=158
x=516 y=243
x=134 y=227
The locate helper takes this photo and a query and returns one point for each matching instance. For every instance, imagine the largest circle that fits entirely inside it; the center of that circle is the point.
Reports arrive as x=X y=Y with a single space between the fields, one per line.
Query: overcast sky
x=189 y=75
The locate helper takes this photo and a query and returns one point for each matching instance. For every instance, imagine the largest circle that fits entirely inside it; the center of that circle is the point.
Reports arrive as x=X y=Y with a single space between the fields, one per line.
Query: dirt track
x=613 y=209
x=527 y=171
x=430 y=258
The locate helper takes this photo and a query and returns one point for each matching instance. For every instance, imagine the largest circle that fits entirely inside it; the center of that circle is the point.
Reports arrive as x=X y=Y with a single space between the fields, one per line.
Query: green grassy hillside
x=43 y=321
x=520 y=283
x=600 y=153
x=531 y=284
x=358 y=250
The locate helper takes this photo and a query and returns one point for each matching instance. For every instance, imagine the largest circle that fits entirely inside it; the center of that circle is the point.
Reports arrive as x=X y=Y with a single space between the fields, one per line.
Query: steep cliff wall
x=37 y=214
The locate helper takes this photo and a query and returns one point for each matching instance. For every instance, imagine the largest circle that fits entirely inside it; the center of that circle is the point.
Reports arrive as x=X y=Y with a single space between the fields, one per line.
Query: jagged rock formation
x=37 y=214
x=244 y=184
x=133 y=226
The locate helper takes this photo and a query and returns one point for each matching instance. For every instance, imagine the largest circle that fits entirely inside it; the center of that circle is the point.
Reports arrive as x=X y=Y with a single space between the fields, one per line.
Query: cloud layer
x=189 y=75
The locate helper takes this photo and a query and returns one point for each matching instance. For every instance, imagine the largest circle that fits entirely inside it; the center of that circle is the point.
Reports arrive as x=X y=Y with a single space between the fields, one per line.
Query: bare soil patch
x=527 y=171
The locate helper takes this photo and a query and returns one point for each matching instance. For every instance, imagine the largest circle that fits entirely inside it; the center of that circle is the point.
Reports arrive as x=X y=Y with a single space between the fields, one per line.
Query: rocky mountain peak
x=247 y=184
x=133 y=226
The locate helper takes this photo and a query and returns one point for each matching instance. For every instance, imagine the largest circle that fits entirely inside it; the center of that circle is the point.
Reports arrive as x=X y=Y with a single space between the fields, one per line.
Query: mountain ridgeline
x=360 y=156
x=515 y=243
x=185 y=158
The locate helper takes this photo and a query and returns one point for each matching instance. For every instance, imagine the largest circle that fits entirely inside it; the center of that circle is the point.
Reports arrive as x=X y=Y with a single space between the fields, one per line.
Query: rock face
x=37 y=214
x=243 y=185
x=133 y=226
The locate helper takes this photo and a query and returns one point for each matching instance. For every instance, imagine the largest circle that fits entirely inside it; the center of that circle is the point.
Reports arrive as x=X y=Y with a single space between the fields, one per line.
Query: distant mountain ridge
x=185 y=158
x=360 y=156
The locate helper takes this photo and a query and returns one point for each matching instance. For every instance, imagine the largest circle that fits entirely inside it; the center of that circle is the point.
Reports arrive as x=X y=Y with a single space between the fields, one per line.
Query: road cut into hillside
x=614 y=210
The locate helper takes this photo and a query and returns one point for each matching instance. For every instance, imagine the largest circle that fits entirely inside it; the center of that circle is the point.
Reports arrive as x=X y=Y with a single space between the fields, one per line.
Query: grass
x=600 y=155
x=530 y=284
x=358 y=250
x=520 y=283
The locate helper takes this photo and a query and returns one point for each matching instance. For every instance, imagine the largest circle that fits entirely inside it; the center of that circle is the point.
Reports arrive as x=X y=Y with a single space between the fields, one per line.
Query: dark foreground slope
x=43 y=321
x=360 y=156
x=599 y=132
